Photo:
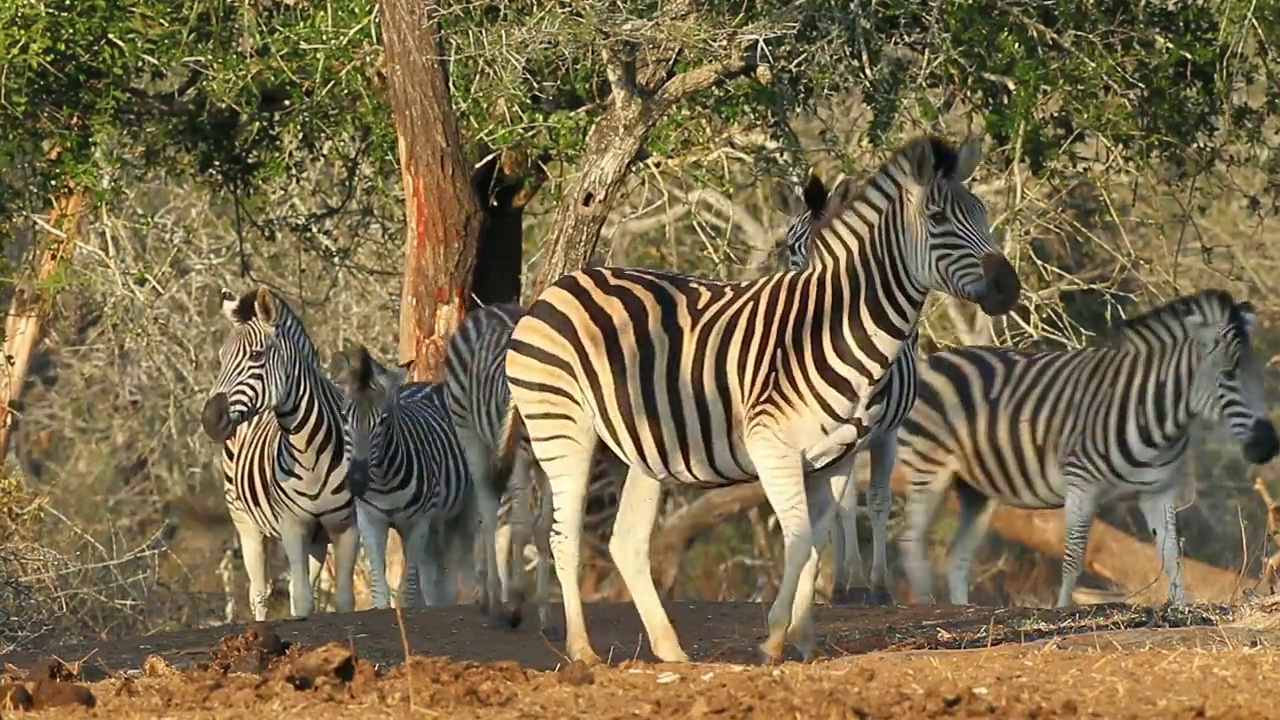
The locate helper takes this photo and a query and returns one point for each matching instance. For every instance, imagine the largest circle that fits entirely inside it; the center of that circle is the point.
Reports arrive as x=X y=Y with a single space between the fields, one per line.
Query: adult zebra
x=711 y=383
x=896 y=394
x=405 y=453
x=279 y=420
x=1058 y=429
x=506 y=487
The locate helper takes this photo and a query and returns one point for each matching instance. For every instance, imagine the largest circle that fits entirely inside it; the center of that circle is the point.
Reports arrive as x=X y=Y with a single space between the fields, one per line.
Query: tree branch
x=621 y=72
x=701 y=78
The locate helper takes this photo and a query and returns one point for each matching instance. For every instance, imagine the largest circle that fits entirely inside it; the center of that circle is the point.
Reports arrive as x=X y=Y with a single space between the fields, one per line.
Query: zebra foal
x=707 y=383
x=406 y=457
x=284 y=465
x=1042 y=430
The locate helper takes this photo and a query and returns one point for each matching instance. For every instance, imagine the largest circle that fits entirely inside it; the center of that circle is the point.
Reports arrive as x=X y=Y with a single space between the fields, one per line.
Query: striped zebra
x=508 y=496
x=1062 y=429
x=897 y=394
x=279 y=420
x=406 y=455
x=706 y=383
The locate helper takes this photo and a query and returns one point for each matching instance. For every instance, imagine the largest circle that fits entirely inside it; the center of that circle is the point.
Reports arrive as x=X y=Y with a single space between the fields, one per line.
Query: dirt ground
x=1099 y=661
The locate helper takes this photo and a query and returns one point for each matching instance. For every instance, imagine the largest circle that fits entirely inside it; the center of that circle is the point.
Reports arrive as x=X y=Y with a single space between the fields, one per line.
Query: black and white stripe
x=283 y=459
x=1063 y=429
x=480 y=406
x=705 y=383
x=407 y=459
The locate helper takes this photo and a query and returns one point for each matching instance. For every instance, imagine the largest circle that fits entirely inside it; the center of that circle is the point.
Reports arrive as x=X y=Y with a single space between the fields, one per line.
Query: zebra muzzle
x=1003 y=285
x=216 y=418
x=1262 y=445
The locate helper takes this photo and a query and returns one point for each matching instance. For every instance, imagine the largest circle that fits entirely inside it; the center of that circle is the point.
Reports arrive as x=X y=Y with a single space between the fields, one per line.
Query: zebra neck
x=311 y=422
x=1165 y=402
x=394 y=448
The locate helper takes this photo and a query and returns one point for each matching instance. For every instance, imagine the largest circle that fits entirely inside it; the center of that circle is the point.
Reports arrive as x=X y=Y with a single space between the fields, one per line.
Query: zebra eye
x=257 y=355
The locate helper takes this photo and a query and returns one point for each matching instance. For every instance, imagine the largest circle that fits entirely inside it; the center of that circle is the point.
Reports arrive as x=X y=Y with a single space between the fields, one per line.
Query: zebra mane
x=246 y=310
x=924 y=154
x=1210 y=303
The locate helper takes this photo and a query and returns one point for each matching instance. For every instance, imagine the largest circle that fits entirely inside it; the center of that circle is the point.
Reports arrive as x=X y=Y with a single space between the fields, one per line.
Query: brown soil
x=1102 y=661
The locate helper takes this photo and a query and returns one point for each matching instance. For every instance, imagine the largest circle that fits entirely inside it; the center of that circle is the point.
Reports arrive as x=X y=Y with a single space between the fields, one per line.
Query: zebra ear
x=398 y=374
x=967 y=158
x=265 y=306
x=338 y=365
x=840 y=196
x=229 y=304
x=815 y=195
x=785 y=200
x=1247 y=315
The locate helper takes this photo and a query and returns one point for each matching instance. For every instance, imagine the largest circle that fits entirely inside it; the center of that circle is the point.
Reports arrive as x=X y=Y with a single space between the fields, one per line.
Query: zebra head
x=804 y=210
x=1227 y=387
x=256 y=362
x=371 y=392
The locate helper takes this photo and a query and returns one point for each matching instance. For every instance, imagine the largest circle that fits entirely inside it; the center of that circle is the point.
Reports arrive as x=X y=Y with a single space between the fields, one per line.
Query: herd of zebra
x=615 y=382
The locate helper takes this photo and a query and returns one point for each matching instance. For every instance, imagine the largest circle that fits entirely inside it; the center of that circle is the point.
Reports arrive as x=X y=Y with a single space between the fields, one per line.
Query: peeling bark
x=442 y=215
x=29 y=308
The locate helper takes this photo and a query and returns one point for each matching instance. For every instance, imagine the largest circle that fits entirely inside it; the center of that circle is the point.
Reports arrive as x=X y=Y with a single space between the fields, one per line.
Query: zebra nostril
x=1003 y=285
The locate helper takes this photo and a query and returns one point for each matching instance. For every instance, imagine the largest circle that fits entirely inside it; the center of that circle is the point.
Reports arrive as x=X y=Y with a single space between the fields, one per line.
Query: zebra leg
x=884 y=453
x=629 y=548
x=846 y=551
x=541 y=541
x=346 y=550
x=975 y=517
x=415 y=586
x=295 y=535
x=316 y=556
x=923 y=501
x=821 y=491
x=254 y=555
x=1078 y=509
x=782 y=479
x=1162 y=518
x=568 y=475
x=518 y=530
x=373 y=535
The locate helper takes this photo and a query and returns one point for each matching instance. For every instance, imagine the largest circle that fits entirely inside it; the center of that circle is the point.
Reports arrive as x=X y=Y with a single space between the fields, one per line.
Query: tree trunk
x=29 y=308
x=504 y=185
x=442 y=215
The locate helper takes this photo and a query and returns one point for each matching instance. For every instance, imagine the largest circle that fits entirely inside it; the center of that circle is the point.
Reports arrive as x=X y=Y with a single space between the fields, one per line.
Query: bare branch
x=702 y=78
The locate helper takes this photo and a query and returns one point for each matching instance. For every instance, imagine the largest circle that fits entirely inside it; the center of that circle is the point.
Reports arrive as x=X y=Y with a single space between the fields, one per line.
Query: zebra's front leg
x=782 y=479
x=821 y=491
x=1162 y=518
x=253 y=553
x=295 y=535
x=1078 y=510
x=346 y=550
x=373 y=535
x=629 y=548
x=884 y=454
x=415 y=588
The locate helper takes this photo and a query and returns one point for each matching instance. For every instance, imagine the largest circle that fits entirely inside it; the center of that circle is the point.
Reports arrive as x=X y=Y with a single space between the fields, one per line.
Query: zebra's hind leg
x=1162 y=518
x=254 y=554
x=923 y=500
x=416 y=587
x=629 y=548
x=373 y=536
x=884 y=454
x=849 y=583
x=971 y=527
x=542 y=543
x=1078 y=509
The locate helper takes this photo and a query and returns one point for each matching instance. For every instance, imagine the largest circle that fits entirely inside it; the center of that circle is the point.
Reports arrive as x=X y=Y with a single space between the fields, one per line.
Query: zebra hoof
x=513 y=617
x=881 y=598
x=552 y=633
x=852 y=596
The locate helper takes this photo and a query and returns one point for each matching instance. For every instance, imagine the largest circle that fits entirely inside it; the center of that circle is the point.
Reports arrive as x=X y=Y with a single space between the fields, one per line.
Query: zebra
x=406 y=455
x=709 y=383
x=1061 y=429
x=507 y=481
x=897 y=394
x=279 y=420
